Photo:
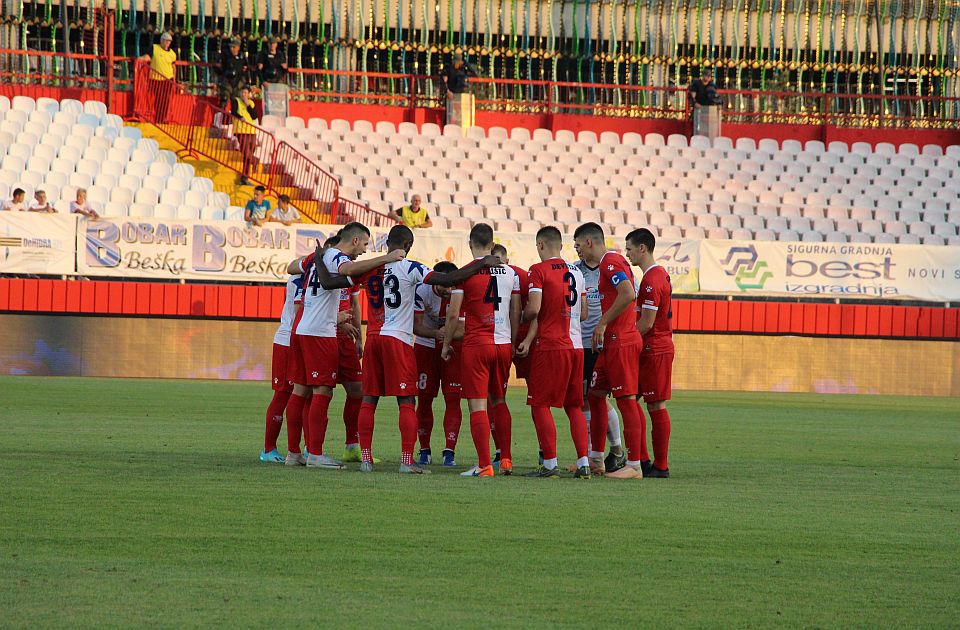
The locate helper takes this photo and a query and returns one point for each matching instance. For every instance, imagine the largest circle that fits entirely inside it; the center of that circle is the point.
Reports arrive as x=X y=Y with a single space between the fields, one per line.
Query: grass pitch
x=141 y=503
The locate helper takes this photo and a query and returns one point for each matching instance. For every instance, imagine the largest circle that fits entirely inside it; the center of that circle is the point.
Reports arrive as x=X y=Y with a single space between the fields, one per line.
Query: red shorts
x=428 y=370
x=617 y=370
x=656 y=376
x=348 y=369
x=524 y=364
x=556 y=379
x=280 y=369
x=450 y=372
x=485 y=370
x=314 y=360
x=389 y=367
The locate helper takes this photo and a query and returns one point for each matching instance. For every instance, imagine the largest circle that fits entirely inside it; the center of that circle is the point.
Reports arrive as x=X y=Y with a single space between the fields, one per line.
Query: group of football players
x=578 y=333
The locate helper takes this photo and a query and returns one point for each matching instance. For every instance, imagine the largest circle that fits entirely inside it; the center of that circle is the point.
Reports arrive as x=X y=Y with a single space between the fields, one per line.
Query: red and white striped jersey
x=289 y=312
x=486 y=305
x=320 y=306
x=391 y=294
x=563 y=291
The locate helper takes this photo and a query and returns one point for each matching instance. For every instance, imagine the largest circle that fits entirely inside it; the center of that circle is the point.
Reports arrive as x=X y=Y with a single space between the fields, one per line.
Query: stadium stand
x=60 y=146
x=744 y=190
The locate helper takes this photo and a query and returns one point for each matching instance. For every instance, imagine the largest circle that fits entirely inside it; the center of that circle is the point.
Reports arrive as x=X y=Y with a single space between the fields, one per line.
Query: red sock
x=634 y=429
x=351 y=417
x=274 y=420
x=578 y=430
x=303 y=421
x=317 y=419
x=546 y=431
x=480 y=428
x=493 y=431
x=598 y=423
x=295 y=422
x=365 y=425
x=424 y=420
x=408 y=432
x=660 y=421
x=452 y=419
x=504 y=423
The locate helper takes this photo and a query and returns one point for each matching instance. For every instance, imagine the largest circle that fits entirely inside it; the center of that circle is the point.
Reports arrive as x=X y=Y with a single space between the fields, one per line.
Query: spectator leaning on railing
x=285 y=213
x=272 y=63
x=413 y=215
x=161 y=75
x=15 y=203
x=40 y=203
x=256 y=211
x=80 y=206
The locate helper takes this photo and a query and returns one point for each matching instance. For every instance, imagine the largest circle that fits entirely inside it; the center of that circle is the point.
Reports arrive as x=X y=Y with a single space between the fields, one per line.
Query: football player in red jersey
x=620 y=343
x=491 y=310
x=314 y=344
x=655 y=324
x=555 y=308
x=521 y=363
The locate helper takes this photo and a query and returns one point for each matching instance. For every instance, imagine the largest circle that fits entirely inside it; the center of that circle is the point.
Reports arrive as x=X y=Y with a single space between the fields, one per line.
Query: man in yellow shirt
x=243 y=110
x=412 y=216
x=162 y=76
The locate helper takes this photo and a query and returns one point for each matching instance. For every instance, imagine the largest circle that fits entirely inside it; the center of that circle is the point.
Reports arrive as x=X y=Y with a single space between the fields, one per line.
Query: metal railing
x=205 y=129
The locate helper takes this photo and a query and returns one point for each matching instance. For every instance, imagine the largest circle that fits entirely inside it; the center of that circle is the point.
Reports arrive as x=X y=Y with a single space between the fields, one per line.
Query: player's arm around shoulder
x=459 y=276
x=356 y=268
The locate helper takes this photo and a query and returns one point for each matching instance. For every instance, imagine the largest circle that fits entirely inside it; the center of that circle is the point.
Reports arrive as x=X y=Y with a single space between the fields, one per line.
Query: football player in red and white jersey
x=390 y=361
x=555 y=308
x=521 y=363
x=491 y=309
x=617 y=366
x=282 y=385
x=314 y=344
x=429 y=316
x=655 y=324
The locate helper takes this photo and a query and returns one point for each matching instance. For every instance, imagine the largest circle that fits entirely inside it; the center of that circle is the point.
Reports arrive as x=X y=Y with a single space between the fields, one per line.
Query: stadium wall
x=150 y=347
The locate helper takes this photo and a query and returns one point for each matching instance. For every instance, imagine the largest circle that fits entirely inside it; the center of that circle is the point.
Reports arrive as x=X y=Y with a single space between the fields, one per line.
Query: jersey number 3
x=571 y=297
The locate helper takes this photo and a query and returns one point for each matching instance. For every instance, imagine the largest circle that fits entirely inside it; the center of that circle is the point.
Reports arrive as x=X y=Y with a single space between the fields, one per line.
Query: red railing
x=348 y=211
x=204 y=128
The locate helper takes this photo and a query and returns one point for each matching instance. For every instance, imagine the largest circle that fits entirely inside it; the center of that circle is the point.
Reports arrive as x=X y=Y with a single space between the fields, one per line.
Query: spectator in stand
x=256 y=211
x=272 y=63
x=80 y=206
x=244 y=109
x=15 y=203
x=457 y=75
x=413 y=215
x=40 y=203
x=233 y=72
x=162 y=77
x=285 y=213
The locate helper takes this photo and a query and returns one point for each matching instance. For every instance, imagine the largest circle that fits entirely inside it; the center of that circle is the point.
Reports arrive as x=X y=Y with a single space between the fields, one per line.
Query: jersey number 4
x=492 y=295
x=384 y=291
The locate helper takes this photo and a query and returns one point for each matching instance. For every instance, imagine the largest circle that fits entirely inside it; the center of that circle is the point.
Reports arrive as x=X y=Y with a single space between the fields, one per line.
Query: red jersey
x=486 y=306
x=563 y=290
x=346 y=304
x=656 y=295
x=614 y=269
x=524 y=293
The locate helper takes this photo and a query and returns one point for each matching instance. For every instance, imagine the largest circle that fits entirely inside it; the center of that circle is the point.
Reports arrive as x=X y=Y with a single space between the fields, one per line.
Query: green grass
x=136 y=502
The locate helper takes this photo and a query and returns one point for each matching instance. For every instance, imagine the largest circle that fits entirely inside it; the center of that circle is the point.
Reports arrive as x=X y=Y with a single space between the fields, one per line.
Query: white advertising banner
x=839 y=270
x=33 y=243
x=192 y=250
